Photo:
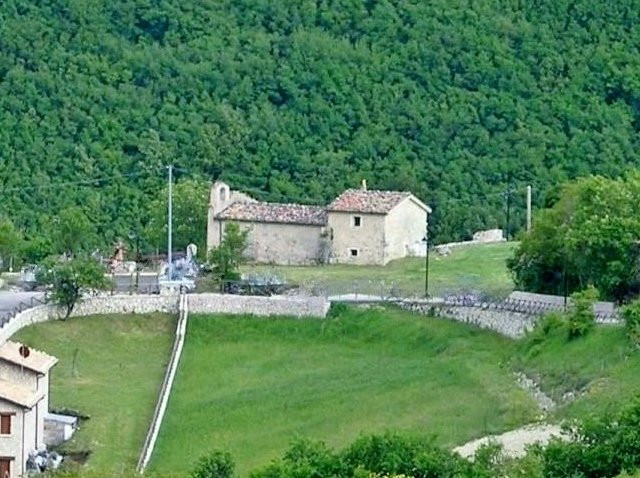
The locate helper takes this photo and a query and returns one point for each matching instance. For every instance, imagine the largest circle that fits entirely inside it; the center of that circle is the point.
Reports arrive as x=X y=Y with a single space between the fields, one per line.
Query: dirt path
x=513 y=442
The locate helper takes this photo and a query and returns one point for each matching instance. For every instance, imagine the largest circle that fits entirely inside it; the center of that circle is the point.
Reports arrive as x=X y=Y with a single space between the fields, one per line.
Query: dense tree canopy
x=298 y=99
x=591 y=236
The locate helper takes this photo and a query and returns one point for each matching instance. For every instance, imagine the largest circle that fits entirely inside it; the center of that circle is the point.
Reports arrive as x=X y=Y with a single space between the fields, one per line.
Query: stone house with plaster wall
x=364 y=227
x=24 y=404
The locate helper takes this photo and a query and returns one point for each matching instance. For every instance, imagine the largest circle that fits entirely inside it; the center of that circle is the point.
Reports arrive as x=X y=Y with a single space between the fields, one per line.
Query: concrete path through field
x=514 y=442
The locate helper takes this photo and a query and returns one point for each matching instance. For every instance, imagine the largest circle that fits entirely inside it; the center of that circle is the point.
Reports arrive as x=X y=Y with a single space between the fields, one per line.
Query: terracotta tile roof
x=19 y=394
x=275 y=212
x=37 y=361
x=374 y=202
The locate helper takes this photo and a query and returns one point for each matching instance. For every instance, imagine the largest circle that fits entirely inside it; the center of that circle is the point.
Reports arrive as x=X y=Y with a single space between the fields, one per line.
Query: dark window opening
x=354 y=252
x=5 y=424
x=357 y=221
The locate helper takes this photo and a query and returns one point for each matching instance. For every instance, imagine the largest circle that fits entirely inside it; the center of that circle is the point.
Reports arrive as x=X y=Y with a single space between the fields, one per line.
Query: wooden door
x=5 y=468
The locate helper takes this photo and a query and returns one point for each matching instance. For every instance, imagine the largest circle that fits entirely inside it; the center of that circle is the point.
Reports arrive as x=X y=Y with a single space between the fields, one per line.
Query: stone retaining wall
x=512 y=323
x=509 y=323
x=198 y=303
x=260 y=306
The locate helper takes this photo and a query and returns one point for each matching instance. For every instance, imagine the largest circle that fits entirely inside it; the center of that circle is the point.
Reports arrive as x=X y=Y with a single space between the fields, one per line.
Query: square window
x=5 y=424
x=354 y=252
x=357 y=221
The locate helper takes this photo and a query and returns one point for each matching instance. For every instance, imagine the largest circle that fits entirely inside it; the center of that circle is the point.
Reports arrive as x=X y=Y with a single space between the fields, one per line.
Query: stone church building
x=360 y=226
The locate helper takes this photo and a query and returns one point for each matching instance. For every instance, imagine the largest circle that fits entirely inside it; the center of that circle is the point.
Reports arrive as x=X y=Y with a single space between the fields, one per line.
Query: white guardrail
x=167 y=384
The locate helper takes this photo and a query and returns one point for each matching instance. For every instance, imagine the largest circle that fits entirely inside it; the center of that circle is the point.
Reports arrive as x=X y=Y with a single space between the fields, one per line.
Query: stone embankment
x=506 y=322
x=312 y=307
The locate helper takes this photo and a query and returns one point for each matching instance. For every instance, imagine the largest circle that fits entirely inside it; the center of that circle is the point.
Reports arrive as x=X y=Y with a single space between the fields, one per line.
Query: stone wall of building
x=367 y=239
x=285 y=244
x=404 y=227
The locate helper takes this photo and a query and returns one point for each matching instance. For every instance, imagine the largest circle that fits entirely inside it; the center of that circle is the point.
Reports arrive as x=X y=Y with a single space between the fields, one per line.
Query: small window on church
x=5 y=424
x=353 y=252
x=223 y=194
x=357 y=221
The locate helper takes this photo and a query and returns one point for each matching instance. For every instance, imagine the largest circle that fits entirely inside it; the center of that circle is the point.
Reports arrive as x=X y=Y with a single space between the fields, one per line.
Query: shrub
x=600 y=447
x=581 y=317
x=216 y=465
x=631 y=316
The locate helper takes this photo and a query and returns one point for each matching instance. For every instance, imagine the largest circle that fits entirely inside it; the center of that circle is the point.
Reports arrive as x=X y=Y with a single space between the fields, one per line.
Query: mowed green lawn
x=251 y=386
x=110 y=369
x=479 y=267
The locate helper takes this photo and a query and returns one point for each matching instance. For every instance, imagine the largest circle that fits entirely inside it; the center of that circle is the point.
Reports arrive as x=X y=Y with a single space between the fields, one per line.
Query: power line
x=67 y=184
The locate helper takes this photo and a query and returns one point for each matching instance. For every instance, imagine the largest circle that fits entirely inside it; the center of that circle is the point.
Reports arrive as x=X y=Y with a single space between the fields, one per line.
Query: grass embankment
x=251 y=386
x=111 y=369
x=479 y=267
x=600 y=369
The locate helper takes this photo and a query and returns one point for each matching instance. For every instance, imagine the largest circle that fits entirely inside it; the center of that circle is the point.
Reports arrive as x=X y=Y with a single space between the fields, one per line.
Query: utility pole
x=528 y=208
x=508 y=197
x=170 y=225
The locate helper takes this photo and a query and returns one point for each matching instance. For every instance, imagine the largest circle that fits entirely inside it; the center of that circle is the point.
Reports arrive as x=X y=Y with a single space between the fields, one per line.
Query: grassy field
x=601 y=368
x=251 y=386
x=110 y=369
x=481 y=267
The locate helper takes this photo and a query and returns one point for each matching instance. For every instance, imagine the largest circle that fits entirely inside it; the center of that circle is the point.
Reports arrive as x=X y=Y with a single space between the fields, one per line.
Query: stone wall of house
x=367 y=239
x=404 y=227
x=285 y=244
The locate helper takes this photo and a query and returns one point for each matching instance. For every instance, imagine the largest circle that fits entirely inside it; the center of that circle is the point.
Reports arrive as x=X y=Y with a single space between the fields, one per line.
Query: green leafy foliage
x=68 y=280
x=601 y=446
x=296 y=100
x=225 y=260
x=11 y=241
x=190 y=201
x=374 y=455
x=581 y=318
x=215 y=465
x=631 y=315
x=589 y=236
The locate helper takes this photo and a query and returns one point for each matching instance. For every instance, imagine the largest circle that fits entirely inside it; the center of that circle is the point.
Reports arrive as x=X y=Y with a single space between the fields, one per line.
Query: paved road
x=10 y=300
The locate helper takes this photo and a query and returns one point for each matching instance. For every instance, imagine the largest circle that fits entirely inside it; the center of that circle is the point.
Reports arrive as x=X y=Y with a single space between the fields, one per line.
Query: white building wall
x=11 y=445
x=16 y=374
x=42 y=410
x=368 y=238
x=405 y=225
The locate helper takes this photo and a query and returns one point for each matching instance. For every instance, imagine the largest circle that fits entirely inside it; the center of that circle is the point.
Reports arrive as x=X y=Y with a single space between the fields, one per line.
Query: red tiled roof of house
x=374 y=202
x=275 y=212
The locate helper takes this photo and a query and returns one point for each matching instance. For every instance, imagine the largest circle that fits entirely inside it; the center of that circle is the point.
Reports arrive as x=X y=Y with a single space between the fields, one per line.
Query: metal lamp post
x=425 y=239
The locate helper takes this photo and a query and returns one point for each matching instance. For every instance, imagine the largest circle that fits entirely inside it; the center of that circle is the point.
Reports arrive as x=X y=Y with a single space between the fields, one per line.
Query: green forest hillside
x=298 y=99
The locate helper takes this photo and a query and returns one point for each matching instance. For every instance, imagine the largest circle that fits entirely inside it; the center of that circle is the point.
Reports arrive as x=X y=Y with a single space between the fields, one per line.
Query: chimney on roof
x=363 y=186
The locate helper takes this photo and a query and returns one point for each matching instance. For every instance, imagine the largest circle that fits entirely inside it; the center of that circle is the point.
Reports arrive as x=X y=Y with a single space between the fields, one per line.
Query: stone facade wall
x=286 y=244
x=260 y=306
x=368 y=238
x=405 y=226
x=220 y=197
